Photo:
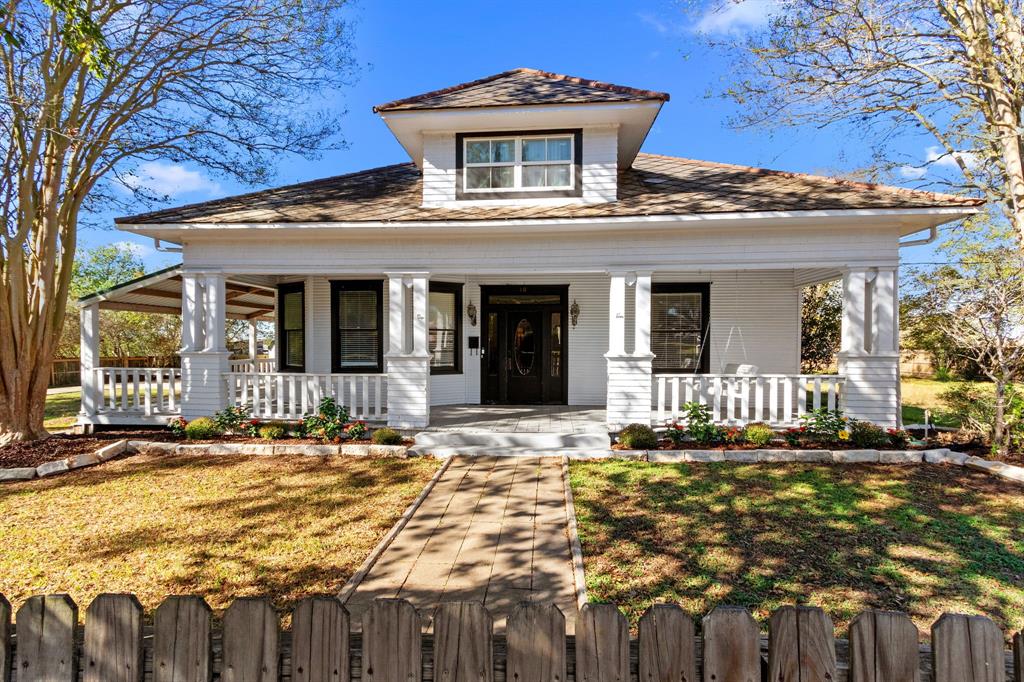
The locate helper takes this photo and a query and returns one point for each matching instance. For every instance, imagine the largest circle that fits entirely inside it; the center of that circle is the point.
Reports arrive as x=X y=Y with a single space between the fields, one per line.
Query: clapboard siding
x=600 y=164
x=438 y=168
x=685 y=247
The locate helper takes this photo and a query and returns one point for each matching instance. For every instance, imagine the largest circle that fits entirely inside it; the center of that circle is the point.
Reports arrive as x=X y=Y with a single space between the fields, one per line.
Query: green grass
x=62 y=409
x=918 y=539
x=923 y=394
x=220 y=527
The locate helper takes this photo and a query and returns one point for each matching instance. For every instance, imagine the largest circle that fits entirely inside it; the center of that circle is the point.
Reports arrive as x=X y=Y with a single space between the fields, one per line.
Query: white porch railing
x=258 y=365
x=293 y=396
x=137 y=391
x=778 y=399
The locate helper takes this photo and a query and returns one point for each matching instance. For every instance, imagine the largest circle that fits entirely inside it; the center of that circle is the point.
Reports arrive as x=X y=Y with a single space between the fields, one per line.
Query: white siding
x=600 y=164
x=438 y=168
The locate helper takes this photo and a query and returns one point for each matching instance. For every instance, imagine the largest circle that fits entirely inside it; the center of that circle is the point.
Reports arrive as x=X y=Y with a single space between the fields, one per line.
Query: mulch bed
x=666 y=444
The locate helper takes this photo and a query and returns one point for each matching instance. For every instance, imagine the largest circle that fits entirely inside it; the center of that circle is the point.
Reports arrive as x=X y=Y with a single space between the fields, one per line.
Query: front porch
x=595 y=335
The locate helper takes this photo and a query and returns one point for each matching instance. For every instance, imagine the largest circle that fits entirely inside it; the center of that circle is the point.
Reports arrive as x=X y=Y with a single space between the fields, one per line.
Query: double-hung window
x=357 y=317
x=545 y=163
x=679 y=327
x=445 y=327
x=291 y=327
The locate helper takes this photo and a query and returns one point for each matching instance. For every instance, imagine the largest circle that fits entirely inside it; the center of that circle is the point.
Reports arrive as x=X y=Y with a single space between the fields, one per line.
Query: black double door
x=523 y=360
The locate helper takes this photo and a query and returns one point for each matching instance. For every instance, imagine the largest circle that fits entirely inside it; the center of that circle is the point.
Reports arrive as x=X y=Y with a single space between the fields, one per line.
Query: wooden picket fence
x=181 y=645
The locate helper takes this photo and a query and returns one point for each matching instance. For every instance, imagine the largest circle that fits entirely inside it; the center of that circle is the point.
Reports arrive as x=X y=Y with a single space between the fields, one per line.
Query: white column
x=642 y=308
x=216 y=313
x=420 y=313
x=192 y=307
x=253 y=340
x=396 y=314
x=617 y=314
x=885 y=311
x=854 y=322
x=89 y=360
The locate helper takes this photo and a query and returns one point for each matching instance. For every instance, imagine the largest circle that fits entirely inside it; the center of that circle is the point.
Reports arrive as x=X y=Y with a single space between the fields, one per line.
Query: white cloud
x=655 y=22
x=936 y=157
x=736 y=16
x=171 y=179
x=140 y=250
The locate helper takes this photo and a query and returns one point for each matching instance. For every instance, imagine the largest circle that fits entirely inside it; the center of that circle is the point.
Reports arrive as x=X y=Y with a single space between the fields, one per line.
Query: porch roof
x=655 y=185
x=160 y=292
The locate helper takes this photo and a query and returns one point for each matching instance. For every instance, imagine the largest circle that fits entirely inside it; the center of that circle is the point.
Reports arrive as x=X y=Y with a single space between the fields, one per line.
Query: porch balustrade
x=251 y=365
x=778 y=399
x=294 y=395
x=135 y=391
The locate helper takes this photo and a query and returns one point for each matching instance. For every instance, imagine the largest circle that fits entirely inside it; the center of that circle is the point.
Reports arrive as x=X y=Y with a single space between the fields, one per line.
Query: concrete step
x=448 y=443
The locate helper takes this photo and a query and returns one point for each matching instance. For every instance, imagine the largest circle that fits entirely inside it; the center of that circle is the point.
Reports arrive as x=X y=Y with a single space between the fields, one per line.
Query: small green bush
x=273 y=431
x=231 y=418
x=201 y=428
x=700 y=426
x=386 y=436
x=867 y=435
x=676 y=433
x=177 y=426
x=758 y=434
x=356 y=430
x=638 y=437
x=328 y=424
x=825 y=425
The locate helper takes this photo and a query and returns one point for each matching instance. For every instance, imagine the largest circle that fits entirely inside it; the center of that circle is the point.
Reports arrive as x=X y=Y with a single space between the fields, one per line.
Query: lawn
x=220 y=527
x=62 y=409
x=918 y=539
x=923 y=394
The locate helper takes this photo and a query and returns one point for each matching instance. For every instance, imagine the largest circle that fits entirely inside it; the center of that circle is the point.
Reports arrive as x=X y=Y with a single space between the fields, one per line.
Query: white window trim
x=517 y=164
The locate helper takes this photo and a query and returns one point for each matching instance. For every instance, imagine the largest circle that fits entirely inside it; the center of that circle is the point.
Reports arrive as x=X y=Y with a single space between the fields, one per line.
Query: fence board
x=463 y=632
x=732 y=646
x=112 y=651
x=392 y=646
x=801 y=647
x=320 y=633
x=1018 y=657
x=883 y=648
x=667 y=651
x=536 y=644
x=46 y=639
x=181 y=641
x=967 y=649
x=602 y=644
x=5 y=639
x=250 y=641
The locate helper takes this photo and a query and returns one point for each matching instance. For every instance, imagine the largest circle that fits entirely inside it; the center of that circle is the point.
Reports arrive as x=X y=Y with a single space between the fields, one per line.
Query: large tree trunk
x=23 y=396
x=999 y=433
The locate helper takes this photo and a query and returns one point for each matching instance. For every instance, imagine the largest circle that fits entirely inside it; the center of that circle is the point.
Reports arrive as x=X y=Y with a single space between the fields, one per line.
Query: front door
x=523 y=344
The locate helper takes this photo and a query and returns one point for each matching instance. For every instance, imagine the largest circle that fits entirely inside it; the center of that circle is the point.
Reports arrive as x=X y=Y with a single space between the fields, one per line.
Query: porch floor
x=518 y=419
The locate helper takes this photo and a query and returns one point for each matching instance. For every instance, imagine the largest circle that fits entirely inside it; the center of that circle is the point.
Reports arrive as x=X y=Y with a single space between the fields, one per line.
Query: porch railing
x=293 y=396
x=258 y=365
x=778 y=399
x=138 y=391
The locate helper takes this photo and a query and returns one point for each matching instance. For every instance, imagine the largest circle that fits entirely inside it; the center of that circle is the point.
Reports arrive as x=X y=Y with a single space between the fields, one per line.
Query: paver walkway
x=492 y=530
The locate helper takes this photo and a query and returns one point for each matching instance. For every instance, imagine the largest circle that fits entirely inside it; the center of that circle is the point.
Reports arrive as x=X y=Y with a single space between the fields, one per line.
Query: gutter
x=933 y=234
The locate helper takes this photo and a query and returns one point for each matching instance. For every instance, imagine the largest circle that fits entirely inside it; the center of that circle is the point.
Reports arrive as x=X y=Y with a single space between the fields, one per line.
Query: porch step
x=448 y=443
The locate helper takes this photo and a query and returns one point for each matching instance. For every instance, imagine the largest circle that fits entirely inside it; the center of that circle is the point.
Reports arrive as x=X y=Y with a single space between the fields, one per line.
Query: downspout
x=165 y=249
x=933 y=234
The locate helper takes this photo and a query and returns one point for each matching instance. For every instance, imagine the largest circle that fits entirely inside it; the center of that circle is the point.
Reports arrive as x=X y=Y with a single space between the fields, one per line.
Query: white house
x=528 y=254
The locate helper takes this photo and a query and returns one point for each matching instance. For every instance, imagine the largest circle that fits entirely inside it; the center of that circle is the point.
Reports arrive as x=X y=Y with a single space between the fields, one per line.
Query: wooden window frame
x=282 y=338
x=337 y=286
x=449 y=288
x=518 y=192
x=704 y=289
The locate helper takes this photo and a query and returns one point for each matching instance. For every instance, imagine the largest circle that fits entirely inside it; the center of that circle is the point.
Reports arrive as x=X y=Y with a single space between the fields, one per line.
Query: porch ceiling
x=160 y=292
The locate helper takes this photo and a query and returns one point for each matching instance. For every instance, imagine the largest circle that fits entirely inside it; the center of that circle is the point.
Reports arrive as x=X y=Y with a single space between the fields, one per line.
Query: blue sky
x=404 y=48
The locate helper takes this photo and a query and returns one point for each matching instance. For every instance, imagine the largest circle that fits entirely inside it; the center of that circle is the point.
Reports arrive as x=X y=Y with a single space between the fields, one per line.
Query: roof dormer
x=523 y=136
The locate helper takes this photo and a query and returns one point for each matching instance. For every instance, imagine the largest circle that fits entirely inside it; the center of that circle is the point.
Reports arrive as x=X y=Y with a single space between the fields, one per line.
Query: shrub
x=231 y=418
x=825 y=425
x=974 y=406
x=201 y=429
x=699 y=425
x=676 y=432
x=177 y=426
x=251 y=427
x=758 y=434
x=356 y=430
x=272 y=431
x=732 y=434
x=795 y=437
x=867 y=435
x=328 y=424
x=898 y=438
x=638 y=437
x=386 y=436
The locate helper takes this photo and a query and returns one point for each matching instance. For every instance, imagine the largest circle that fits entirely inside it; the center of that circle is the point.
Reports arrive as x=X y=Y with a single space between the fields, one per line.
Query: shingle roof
x=655 y=185
x=522 y=87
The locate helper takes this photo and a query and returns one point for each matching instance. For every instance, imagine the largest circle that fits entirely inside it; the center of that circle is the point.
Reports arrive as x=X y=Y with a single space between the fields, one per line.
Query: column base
x=203 y=391
x=871 y=391
x=629 y=390
x=408 y=390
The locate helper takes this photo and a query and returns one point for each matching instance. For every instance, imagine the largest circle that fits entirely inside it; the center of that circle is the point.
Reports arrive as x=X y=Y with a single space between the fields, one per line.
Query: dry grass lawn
x=220 y=527
x=918 y=539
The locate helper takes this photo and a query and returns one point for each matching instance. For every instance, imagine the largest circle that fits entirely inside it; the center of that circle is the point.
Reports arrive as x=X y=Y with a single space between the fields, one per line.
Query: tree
x=124 y=333
x=820 y=326
x=224 y=84
x=983 y=304
x=950 y=69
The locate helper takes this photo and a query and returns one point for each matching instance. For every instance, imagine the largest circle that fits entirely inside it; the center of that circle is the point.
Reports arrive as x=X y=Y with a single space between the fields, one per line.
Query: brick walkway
x=492 y=530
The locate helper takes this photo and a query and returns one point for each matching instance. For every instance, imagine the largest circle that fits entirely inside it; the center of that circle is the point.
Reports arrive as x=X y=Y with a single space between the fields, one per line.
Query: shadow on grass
x=846 y=538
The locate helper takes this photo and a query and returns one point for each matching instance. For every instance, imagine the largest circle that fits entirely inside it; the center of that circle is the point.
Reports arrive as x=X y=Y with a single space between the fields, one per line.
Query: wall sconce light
x=574 y=312
x=471 y=314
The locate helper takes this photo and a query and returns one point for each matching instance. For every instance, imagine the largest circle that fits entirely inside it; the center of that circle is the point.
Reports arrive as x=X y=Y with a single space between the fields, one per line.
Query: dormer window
x=530 y=164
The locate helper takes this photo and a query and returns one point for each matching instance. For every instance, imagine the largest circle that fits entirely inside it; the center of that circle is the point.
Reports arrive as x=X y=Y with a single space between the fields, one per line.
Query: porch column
x=89 y=360
x=204 y=357
x=869 y=355
x=253 y=341
x=408 y=382
x=629 y=374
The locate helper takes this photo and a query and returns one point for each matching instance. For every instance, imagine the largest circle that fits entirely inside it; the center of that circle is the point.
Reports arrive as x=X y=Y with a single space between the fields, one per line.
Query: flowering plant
x=794 y=436
x=899 y=438
x=732 y=434
x=676 y=432
x=252 y=427
x=177 y=426
x=356 y=430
